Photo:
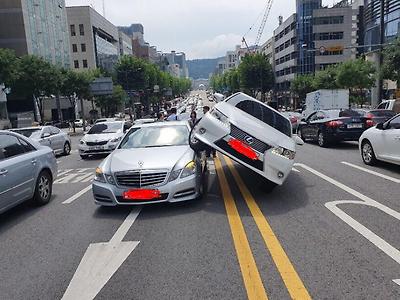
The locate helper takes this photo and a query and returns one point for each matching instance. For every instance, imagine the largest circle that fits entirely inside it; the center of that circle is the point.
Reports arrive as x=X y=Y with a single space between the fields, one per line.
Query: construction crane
x=267 y=11
x=264 y=21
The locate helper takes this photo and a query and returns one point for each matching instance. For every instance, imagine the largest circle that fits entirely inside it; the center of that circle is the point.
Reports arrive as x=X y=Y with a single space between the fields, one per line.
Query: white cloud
x=214 y=47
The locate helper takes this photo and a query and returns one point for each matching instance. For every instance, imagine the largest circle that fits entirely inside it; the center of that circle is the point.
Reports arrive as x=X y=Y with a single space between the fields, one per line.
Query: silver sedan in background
x=27 y=170
x=153 y=163
x=49 y=136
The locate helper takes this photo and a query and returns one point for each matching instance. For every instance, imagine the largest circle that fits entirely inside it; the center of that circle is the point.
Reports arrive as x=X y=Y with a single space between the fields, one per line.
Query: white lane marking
x=100 y=262
x=77 y=195
x=380 y=243
x=396 y=180
x=64 y=172
x=83 y=178
x=83 y=170
x=65 y=179
x=295 y=170
x=397 y=281
x=90 y=178
x=211 y=167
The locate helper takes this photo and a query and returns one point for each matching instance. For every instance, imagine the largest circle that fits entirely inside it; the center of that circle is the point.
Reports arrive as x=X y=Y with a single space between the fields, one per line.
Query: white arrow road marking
x=396 y=180
x=77 y=195
x=100 y=263
x=380 y=243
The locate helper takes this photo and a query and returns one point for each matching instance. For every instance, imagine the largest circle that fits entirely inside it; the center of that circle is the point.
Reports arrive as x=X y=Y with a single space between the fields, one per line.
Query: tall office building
x=36 y=27
x=305 y=36
x=95 y=42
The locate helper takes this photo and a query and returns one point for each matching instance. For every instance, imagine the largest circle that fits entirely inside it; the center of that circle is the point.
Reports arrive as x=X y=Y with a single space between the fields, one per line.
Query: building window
x=73 y=32
x=81 y=29
x=76 y=64
x=83 y=47
x=85 y=64
x=74 y=48
x=324 y=36
x=328 y=20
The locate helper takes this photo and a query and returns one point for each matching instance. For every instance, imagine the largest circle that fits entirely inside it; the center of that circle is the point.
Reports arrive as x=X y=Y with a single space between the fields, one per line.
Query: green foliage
x=132 y=73
x=326 y=79
x=356 y=74
x=8 y=67
x=302 y=85
x=110 y=104
x=391 y=61
x=256 y=74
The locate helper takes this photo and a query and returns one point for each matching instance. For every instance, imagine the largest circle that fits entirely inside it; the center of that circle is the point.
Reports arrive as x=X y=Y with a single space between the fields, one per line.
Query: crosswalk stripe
x=82 y=178
x=64 y=172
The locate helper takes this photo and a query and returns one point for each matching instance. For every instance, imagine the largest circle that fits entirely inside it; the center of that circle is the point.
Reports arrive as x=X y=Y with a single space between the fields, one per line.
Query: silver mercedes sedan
x=153 y=163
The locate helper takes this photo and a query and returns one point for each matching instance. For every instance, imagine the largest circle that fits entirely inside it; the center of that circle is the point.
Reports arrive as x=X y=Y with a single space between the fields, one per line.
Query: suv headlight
x=189 y=169
x=280 y=151
x=220 y=116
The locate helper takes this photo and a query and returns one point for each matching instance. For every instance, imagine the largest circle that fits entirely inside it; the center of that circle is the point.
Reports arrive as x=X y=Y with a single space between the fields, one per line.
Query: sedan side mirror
x=380 y=126
x=45 y=135
x=298 y=140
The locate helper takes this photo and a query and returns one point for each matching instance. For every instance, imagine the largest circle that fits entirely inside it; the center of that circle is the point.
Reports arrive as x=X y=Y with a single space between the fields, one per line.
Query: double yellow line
x=251 y=276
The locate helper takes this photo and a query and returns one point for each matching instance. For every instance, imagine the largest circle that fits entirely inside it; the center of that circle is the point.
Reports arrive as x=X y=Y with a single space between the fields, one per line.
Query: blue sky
x=200 y=28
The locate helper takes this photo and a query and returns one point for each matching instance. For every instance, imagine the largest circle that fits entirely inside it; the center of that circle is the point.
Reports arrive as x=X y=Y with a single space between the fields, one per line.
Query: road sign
x=102 y=86
x=322 y=49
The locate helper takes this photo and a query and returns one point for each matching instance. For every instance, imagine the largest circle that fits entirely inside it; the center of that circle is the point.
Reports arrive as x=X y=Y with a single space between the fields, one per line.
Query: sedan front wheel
x=44 y=187
x=368 y=154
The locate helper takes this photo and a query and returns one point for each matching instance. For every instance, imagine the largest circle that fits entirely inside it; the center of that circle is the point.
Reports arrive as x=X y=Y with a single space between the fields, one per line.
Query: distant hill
x=201 y=68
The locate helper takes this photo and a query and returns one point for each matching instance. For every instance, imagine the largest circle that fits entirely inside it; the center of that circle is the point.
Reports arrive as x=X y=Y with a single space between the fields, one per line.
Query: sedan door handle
x=3 y=172
x=34 y=161
x=397 y=138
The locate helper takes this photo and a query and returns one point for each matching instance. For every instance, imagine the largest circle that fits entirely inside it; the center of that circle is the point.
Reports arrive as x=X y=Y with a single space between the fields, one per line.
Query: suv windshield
x=106 y=128
x=33 y=133
x=266 y=115
x=149 y=137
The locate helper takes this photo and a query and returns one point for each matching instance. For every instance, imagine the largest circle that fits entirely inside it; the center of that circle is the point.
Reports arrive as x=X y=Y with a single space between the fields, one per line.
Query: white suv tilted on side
x=251 y=133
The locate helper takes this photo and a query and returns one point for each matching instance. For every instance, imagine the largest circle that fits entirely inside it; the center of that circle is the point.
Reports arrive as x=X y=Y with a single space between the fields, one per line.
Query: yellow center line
x=251 y=277
x=293 y=282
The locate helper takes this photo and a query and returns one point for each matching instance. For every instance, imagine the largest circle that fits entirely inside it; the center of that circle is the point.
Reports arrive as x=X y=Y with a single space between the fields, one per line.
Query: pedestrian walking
x=193 y=119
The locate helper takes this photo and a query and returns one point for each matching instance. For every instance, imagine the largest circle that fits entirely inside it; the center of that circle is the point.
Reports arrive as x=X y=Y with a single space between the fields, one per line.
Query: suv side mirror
x=380 y=126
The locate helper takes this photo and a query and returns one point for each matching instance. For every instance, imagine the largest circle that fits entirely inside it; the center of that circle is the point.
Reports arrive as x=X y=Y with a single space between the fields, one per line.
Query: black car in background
x=332 y=126
x=376 y=116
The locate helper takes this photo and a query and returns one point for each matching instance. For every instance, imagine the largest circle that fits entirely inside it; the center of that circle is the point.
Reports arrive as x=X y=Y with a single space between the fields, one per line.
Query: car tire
x=84 y=157
x=321 y=139
x=268 y=186
x=67 y=148
x=368 y=154
x=43 y=188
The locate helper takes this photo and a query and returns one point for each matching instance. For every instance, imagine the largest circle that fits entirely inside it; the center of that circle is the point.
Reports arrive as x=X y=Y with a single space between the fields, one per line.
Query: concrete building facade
x=94 y=40
x=36 y=28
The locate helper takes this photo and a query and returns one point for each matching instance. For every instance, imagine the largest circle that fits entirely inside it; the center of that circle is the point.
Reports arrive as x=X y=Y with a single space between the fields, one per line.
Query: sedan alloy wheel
x=368 y=154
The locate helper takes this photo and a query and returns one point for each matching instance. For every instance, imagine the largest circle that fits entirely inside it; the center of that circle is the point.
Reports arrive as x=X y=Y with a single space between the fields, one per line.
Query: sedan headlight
x=280 y=151
x=220 y=116
x=174 y=175
x=116 y=140
x=104 y=178
x=189 y=169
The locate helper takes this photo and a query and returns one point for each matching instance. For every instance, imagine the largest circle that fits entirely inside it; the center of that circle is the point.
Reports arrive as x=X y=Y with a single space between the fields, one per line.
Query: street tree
x=8 y=67
x=256 y=74
x=391 y=61
x=302 y=85
x=109 y=104
x=326 y=79
x=132 y=73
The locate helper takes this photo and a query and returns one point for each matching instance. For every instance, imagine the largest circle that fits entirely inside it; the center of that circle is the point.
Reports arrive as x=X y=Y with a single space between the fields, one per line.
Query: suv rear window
x=266 y=115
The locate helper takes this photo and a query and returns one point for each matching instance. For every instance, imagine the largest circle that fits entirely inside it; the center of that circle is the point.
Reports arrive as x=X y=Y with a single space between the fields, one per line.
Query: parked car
x=376 y=116
x=27 y=170
x=332 y=126
x=79 y=123
x=381 y=142
x=102 y=138
x=49 y=136
x=153 y=163
x=144 y=121
x=251 y=133
x=102 y=120
x=393 y=105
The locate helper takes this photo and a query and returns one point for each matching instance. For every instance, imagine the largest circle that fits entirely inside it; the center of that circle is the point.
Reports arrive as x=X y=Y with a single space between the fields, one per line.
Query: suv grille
x=97 y=143
x=140 y=179
x=256 y=144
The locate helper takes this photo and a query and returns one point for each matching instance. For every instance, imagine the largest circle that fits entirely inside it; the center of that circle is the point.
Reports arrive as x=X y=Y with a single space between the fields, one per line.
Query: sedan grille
x=140 y=179
x=256 y=144
x=96 y=143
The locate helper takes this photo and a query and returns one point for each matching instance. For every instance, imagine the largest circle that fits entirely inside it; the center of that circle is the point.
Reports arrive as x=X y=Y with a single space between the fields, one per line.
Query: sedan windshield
x=162 y=136
x=33 y=133
x=106 y=128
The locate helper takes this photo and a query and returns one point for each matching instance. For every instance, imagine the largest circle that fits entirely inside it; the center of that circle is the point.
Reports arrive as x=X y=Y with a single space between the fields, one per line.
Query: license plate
x=357 y=125
x=98 y=148
x=141 y=194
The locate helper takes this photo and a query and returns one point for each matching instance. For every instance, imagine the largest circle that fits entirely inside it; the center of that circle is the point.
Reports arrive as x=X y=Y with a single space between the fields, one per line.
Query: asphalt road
x=237 y=242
